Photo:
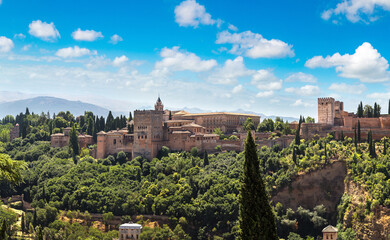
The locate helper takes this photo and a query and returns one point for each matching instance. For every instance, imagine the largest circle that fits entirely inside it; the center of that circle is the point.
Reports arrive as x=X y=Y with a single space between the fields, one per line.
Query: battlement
x=326 y=100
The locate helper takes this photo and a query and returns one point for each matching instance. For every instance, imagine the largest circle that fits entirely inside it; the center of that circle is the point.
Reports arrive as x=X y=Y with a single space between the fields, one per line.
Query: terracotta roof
x=330 y=229
x=101 y=132
x=58 y=134
x=181 y=113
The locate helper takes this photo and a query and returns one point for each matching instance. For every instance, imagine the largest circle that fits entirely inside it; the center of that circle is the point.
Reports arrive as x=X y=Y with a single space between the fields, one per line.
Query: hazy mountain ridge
x=55 y=105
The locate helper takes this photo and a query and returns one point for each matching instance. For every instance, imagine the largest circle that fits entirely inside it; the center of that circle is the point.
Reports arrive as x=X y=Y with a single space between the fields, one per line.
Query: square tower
x=148 y=133
x=326 y=110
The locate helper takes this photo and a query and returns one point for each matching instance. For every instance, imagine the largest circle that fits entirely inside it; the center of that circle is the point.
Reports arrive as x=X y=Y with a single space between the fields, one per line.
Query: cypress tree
x=342 y=135
x=35 y=218
x=294 y=156
x=257 y=220
x=205 y=158
x=23 y=224
x=170 y=115
x=3 y=230
x=130 y=117
x=73 y=142
x=358 y=132
x=355 y=140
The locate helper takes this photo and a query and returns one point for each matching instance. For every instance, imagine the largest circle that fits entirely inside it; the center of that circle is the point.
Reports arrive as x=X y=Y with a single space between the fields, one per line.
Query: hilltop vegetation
x=196 y=191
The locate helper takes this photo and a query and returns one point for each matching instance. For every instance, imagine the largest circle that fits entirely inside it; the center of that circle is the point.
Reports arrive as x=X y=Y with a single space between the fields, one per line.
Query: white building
x=130 y=231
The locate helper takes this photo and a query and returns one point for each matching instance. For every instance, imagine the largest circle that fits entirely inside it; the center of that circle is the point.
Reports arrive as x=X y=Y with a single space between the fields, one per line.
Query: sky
x=271 y=57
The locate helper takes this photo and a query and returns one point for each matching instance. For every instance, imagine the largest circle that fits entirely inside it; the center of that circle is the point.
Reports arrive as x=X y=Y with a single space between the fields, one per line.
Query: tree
x=355 y=140
x=11 y=170
x=368 y=111
x=74 y=143
x=205 y=158
x=388 y=111
x=360 y=110
x=310 y=120
x=194 y=151
x=358 y=132
x=170 y=115
x=256 y=219
x=23 y=224
x=248 y=124
x=107 y=218
x=110 y=124
x=3 y=230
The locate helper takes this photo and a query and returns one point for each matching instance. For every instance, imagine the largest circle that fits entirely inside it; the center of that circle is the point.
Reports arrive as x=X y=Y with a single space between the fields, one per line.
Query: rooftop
x=130 y=226
x=330 y=229
x=216 y=113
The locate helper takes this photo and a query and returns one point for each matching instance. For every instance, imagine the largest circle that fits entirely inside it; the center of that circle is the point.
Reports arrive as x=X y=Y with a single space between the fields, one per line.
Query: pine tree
x=205 y=158
x=358 y=132
x=257 y=220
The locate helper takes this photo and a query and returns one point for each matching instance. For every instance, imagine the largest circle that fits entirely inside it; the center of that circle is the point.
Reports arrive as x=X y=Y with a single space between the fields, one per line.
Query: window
x=114 y=141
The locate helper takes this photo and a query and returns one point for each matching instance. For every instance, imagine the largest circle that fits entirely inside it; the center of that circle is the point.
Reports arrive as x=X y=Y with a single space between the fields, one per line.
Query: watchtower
x=329 y=233
x=148 y=131
x=326 y=110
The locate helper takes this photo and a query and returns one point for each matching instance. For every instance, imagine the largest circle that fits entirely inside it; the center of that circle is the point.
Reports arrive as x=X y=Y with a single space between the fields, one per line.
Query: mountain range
x=55 y=105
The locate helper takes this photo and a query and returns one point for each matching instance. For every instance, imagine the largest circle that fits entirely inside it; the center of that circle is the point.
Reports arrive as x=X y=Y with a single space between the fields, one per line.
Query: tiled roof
x=330 y=229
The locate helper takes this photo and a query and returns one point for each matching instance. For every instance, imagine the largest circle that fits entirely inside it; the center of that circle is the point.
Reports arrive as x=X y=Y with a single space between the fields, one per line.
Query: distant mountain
x=51 y=104
x=55 y=105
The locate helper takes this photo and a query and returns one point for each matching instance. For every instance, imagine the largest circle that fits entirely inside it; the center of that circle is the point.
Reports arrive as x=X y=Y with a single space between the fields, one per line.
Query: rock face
x=372 y=226
x=324 y=186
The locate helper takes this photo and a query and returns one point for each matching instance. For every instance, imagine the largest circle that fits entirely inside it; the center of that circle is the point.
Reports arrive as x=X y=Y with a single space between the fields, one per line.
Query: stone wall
x=326 y=112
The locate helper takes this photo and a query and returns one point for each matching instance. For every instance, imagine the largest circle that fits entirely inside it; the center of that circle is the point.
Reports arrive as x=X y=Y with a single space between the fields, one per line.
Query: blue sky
x=272 y=57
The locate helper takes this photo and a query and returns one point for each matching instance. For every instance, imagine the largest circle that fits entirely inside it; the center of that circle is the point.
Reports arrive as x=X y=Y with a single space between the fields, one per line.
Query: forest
x=198 y=192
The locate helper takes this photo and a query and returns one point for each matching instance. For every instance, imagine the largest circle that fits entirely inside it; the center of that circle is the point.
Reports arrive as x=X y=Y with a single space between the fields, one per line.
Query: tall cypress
x=74 y=143
x=23 y=224
x=257 y=220
x=358 y=132
x=388 y=111
x=205 y=158
x=355 y=140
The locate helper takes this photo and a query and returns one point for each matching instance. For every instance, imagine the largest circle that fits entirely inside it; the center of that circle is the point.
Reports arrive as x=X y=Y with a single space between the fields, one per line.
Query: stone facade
x=333 y=119
x=62 y=139
x=153 y=130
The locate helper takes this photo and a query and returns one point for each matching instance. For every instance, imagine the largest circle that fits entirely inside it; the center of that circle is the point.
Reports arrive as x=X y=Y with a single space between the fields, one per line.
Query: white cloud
x=366 y=64
x=301 y=77
x=86 y=35
x=232 y=27
x=357 y=10
x=74 y=52
x=19 y=36
x=382 y=96
x=231 y=70
x=299 y=102
x=118 y=61
x=265 y=94
x=191 y=13
x=43 y=30
x=348 y=88
x=253 y=45
x=175 y=59
x=26 y=47
x=266 y=80
x=237 y=89
x=6 y=44
x=307 y=90
x=115 y=39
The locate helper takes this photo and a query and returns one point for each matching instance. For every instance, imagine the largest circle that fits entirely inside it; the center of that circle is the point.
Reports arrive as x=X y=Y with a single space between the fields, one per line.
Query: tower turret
x=159 y=105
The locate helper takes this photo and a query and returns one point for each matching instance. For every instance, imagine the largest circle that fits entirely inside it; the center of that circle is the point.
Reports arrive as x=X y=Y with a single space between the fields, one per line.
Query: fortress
x=177 y=130
x=333 y=119
x=182 y=131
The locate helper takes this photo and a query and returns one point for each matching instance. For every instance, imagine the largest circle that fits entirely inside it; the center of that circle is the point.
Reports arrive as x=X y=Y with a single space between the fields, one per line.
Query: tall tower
x=148 y=131
x=159 y=105
x=326 y=110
